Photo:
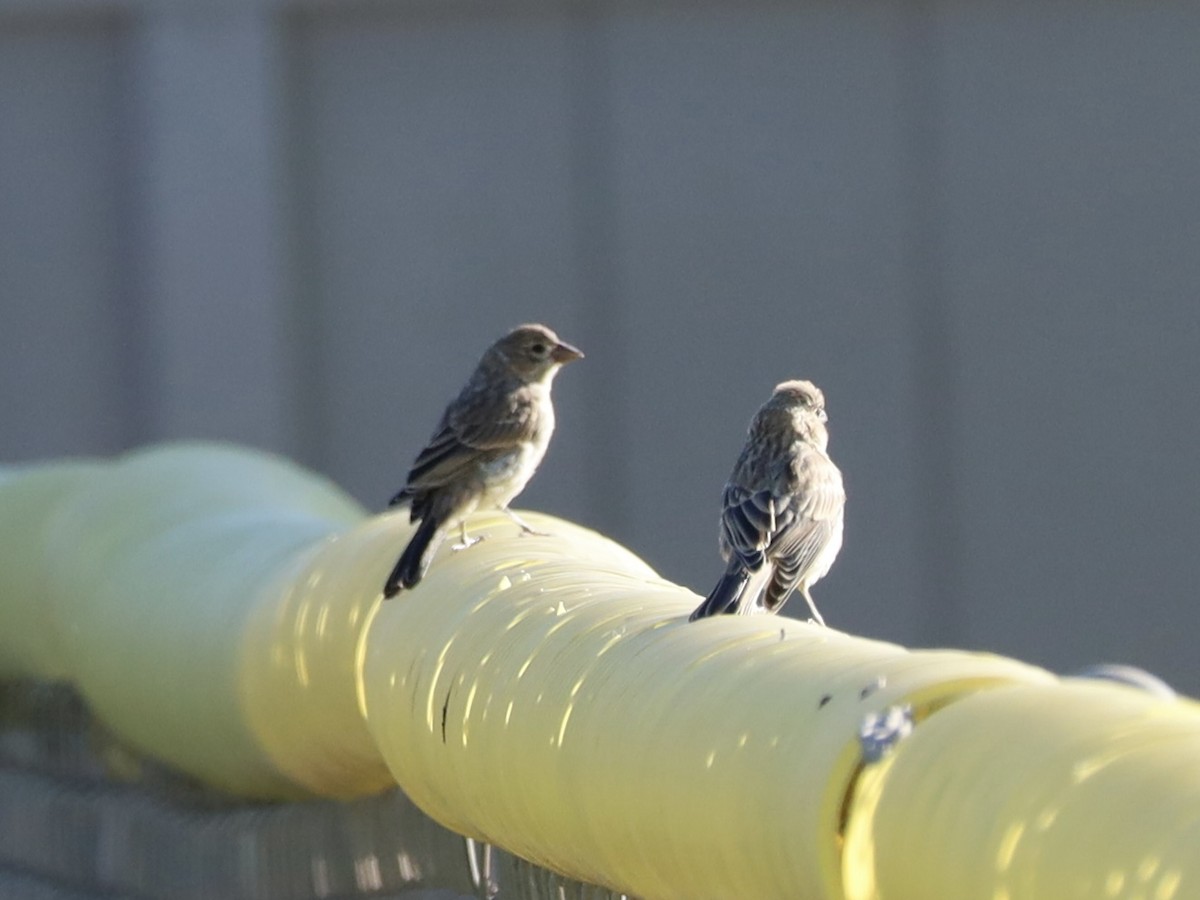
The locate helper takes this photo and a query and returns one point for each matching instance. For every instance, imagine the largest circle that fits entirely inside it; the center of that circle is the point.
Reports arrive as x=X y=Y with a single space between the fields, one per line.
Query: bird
x=486 y=447
x=781 y=510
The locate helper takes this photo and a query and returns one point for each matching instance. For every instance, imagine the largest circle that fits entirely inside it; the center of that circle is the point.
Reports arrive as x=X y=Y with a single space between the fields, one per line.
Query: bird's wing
x=794 y=555
x=748 y=523
x=807 y=524
x=475 y=429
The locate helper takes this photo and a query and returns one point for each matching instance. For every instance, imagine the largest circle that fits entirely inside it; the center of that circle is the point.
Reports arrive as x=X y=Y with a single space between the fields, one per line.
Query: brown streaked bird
x=487 y=446
x=781 y=516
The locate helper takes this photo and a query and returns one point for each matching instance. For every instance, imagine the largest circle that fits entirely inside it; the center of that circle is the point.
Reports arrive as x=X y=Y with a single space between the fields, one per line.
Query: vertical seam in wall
x=937 y=542
x=306 y=357
x=603 y=316
x=289 y=352
x=137 y=366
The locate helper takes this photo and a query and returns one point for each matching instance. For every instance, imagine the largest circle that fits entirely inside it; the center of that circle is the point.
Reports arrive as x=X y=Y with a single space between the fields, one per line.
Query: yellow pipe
x=1079 y=792
x=220 y=609
x=156 y=567
x=29 y=640
x=587 y=726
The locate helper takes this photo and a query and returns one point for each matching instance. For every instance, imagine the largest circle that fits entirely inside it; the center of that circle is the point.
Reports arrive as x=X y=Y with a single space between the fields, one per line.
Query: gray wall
x=976 y=225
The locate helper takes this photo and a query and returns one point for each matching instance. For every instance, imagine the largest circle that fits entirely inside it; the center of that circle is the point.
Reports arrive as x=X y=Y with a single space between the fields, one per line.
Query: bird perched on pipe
x=781 y=515
x=487 y=446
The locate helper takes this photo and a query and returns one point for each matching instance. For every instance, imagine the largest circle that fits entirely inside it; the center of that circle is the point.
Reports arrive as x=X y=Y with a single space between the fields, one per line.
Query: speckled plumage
x=782 y=508
x=486 y=447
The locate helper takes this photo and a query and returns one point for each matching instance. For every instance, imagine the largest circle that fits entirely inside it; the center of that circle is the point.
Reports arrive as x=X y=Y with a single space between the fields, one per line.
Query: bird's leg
x=525 y=527
x=816 y=615
x=464 y=541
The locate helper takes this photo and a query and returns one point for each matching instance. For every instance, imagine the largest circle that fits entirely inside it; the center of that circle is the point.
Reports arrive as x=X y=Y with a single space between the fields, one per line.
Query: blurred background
x=976 y=225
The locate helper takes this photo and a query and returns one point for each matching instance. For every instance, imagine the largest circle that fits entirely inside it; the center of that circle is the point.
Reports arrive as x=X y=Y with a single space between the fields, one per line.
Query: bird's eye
x=539 y=349
x=820 y=411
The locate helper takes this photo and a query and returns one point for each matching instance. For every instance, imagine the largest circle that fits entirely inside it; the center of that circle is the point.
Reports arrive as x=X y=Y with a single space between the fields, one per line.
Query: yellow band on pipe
x=157 y=567
x=1078 y=792
x=220 y=609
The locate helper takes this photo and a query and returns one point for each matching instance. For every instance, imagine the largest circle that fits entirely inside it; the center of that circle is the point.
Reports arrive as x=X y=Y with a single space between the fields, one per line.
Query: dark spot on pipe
x=871 y=688
x=445 y=706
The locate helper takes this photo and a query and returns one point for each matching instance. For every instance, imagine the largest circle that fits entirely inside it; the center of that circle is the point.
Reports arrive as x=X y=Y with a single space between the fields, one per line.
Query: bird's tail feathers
x=414 y=561
x=726 y=597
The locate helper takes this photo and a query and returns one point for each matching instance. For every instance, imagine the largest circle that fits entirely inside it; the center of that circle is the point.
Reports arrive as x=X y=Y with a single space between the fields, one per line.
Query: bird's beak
x=565 y=353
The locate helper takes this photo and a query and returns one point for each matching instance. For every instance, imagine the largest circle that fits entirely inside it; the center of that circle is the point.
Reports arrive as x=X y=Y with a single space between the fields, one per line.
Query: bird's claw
x=525 y=527
x=467 y=542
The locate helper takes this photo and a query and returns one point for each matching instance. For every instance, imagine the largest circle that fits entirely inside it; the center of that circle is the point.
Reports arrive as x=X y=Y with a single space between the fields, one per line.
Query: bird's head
x=802 y=405
x=533 y=352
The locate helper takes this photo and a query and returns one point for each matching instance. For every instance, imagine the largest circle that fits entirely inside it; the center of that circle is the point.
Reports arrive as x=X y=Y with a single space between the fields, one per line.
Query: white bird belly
x=507 y=476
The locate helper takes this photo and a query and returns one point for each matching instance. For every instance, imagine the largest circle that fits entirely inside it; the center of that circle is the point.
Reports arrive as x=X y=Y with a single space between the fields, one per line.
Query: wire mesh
x=82 y=816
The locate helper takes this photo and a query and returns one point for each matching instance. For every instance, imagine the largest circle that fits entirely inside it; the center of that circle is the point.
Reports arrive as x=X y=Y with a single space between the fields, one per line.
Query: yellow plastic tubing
x=220 y=609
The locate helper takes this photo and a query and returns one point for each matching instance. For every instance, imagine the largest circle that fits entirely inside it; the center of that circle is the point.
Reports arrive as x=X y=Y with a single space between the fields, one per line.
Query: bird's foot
x=467 y=542
x=812 y=607
x=525 y=527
